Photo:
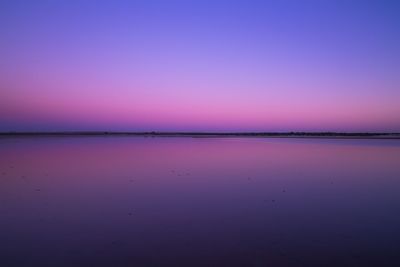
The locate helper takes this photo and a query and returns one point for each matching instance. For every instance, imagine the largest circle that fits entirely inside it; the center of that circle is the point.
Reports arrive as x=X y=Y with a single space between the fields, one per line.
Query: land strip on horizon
x=365 y=135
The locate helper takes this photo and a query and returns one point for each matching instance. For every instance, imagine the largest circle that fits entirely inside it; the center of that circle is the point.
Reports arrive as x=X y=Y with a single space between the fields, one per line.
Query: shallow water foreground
x=132 y=201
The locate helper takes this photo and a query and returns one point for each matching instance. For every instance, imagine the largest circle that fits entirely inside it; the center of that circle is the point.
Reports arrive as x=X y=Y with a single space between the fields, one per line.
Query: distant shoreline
x=329 y=135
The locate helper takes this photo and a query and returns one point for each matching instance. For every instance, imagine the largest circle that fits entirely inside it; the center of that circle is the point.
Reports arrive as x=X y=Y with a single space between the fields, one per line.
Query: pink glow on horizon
x=180 y=71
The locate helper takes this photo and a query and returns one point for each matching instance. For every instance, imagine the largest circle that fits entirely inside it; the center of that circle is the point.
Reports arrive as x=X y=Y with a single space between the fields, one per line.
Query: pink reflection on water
x=198 y=200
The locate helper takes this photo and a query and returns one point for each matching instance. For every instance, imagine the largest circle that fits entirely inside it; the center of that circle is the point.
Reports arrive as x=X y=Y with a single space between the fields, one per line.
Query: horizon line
x=332 y=134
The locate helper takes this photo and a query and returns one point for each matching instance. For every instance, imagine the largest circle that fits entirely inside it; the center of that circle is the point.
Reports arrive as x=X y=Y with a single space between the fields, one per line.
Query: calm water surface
x=131 y=201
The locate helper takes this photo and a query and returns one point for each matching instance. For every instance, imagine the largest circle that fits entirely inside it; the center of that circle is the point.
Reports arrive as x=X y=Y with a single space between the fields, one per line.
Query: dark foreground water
x=131 y=201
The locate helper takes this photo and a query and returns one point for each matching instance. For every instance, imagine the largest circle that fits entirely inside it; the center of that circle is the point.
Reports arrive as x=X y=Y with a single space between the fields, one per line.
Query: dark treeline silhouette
x=206 y=134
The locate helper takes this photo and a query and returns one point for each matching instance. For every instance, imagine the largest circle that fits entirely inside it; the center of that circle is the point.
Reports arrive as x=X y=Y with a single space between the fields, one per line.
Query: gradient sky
x=200 y=65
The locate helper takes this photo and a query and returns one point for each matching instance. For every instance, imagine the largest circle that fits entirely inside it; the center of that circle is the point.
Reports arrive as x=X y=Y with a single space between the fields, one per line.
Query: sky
x=220 y=65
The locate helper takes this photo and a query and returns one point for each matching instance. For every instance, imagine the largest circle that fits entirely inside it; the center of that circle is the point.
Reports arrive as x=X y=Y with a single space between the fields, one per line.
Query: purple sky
x=200 y=65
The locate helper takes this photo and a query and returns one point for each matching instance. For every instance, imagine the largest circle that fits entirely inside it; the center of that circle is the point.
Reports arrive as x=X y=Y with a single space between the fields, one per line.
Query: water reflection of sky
x=199 y=202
